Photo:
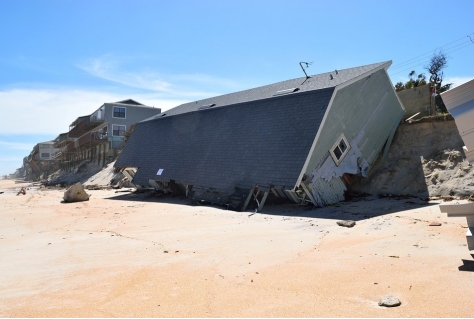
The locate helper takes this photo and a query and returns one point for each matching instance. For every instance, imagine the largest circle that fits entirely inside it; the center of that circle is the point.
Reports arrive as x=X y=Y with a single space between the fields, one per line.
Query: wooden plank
x=274 y=192
x=308 y=193
x=262 y=202
x=293 y=196
x=244 y=207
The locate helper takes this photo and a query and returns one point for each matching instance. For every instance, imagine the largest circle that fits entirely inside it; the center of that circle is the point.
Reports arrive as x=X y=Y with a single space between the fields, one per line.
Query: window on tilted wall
x=119 y=112
x=118 y=130
x=339 y=150
x=44 y=155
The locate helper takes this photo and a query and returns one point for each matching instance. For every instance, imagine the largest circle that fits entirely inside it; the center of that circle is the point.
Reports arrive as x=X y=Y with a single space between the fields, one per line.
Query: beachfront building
x=301 y=139
x=99 y=136
x=40 y=160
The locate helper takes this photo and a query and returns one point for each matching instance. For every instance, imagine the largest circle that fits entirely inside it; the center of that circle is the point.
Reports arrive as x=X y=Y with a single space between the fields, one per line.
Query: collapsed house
x=299 y=139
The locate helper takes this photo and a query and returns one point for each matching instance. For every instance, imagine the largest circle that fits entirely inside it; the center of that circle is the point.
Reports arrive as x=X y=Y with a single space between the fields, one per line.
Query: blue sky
x=63 y=59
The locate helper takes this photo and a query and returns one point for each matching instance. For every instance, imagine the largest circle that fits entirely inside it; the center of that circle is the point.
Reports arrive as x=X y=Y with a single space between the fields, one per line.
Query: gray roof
x=315 y=82
x=262 y=142
x=129 y=101
x=137 y=106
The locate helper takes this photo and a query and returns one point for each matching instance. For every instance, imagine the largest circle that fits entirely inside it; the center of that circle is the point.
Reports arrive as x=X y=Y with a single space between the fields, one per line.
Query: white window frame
x=336 y=147
x=115 y=125
x=119 y=107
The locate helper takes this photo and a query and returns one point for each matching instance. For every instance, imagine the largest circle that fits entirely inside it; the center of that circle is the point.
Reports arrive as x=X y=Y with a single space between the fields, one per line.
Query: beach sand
x=128 y=255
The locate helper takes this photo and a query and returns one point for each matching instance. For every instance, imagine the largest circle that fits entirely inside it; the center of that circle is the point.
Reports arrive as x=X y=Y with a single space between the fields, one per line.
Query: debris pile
x=91 y=175
x=426 y=160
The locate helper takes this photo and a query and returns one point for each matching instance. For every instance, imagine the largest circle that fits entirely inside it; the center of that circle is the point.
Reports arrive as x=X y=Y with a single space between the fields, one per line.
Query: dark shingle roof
x=315 y=82
x=262 y=142
x=129 y=101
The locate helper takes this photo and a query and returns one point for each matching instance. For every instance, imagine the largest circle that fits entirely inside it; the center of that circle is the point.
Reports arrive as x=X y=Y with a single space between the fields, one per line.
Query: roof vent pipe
x=337 y=72
x=330 y=75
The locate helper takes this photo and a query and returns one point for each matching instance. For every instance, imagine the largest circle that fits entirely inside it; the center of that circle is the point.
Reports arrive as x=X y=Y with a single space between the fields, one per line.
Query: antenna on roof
x=307 y=66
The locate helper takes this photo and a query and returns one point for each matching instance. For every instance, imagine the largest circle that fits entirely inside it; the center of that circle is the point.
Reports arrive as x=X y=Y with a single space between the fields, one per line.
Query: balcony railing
x=99 y=136
x=56 y=154
x=62 y=140
x=86 y=125
x=87 y=140
x=95 y=118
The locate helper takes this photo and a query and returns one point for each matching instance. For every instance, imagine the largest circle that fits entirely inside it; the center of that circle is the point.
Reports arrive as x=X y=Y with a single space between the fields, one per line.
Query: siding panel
x=365 y=112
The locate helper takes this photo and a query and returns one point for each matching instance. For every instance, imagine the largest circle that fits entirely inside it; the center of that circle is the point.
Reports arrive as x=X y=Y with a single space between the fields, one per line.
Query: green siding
x=369 y=104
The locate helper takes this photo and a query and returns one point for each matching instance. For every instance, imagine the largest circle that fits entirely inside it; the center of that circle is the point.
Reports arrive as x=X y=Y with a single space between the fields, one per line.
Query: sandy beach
x=131 y=255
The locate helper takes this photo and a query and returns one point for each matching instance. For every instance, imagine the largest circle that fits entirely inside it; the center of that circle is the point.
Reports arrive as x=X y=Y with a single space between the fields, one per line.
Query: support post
x=308 y=193
x=262 y=202
x=244 y=207
x=274 y=192
x=293 y=196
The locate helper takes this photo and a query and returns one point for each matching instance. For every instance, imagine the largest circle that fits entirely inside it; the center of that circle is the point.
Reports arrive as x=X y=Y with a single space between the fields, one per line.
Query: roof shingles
x=262 y=142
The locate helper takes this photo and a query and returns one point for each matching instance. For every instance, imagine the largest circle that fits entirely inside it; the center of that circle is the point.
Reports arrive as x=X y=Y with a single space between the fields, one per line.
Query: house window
x=119 y=112
x=339 y=150
x=118 y=130
x=44 y=155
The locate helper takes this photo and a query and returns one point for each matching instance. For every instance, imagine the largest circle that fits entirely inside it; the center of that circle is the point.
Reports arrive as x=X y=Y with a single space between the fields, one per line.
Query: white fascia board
x=313 y=146
x=363 y=75
x=384 y=66
x=457 y=210
x=395 y=92
x=458 y=95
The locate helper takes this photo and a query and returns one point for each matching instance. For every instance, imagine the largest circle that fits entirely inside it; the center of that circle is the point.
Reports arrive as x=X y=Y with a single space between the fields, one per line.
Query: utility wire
x=411 y=66
x=429 y=52
x=447 y=48
x=414 y=60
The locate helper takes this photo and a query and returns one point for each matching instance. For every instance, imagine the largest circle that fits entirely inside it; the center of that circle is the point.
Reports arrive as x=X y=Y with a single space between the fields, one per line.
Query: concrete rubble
x=76 y=193
x=389 y=301
x=346 y=223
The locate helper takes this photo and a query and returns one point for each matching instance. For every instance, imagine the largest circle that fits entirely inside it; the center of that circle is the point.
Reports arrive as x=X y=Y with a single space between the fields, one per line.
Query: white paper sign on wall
x=160 y=171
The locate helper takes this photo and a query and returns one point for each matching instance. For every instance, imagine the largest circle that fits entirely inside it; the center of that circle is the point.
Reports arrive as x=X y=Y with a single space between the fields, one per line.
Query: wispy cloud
x=107 y=67
x=111 y=68
x=51 y=111
x=16 y=146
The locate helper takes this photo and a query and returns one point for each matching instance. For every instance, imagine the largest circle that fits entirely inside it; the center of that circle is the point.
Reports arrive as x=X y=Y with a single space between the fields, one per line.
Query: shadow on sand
x=356 y=210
